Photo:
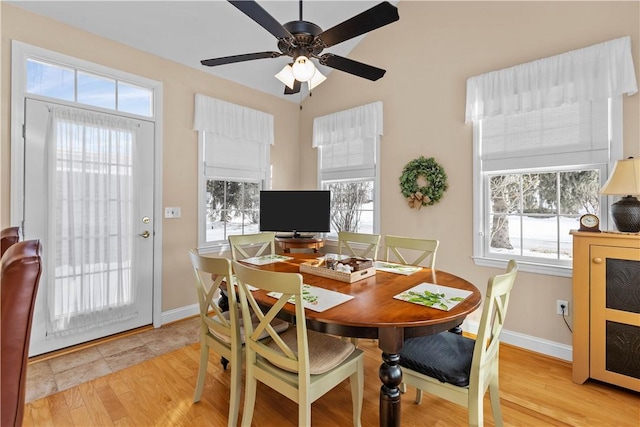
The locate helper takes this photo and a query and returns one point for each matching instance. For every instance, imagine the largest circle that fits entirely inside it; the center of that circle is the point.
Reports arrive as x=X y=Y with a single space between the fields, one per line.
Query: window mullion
x=558 y=213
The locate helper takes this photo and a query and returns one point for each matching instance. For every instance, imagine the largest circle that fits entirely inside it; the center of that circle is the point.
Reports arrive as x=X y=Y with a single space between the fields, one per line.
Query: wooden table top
x=374 y=306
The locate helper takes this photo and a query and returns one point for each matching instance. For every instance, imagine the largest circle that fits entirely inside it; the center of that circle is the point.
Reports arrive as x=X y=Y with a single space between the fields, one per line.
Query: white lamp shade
x=303 y=69
x=316 y=79
x=286 y=76
x=625 y=178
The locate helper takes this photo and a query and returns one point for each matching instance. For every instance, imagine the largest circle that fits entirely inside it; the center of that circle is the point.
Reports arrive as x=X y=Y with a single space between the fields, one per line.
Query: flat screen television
x=291 y=212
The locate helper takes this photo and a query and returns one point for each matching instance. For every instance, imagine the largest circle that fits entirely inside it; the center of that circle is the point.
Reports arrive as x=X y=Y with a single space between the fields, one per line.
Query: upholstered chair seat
x=450 y=361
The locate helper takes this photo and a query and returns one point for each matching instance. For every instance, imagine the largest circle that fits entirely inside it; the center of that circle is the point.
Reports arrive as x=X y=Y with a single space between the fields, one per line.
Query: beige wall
x=428 y=56
x=179 y=164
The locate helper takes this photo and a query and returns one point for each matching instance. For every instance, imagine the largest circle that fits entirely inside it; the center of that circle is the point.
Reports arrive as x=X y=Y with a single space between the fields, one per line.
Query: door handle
x=145 y=234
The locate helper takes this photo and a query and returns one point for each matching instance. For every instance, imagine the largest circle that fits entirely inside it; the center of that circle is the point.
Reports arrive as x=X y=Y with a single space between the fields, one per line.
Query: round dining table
x=374 y=313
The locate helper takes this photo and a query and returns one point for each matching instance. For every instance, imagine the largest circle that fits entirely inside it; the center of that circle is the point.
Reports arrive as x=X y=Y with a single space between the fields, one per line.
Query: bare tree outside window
x=232 y=208
x=532 y=199
x=349 y=202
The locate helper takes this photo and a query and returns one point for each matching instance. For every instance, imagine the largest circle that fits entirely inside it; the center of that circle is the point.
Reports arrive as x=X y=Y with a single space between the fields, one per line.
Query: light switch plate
x=173 y=212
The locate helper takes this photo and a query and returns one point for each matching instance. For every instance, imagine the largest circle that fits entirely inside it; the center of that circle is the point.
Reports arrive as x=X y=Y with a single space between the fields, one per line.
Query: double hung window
x=543 y=146
x=348 y=145
x=234 y=144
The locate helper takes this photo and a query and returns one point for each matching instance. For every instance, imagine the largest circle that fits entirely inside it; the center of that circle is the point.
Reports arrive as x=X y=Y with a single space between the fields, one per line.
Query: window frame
x=481 y=202
x=352 y=175
x=219 y=245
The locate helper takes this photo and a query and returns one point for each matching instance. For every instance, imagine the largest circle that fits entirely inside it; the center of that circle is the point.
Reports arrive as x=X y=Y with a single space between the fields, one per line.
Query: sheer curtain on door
x=90 y=232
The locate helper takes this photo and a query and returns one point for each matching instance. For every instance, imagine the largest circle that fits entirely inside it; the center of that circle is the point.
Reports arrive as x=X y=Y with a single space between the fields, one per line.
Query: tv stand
x=300 y=242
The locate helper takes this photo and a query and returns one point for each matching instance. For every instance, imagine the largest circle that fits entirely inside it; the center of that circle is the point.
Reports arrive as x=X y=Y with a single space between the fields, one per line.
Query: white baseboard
x=180 y=313
x=528 y=342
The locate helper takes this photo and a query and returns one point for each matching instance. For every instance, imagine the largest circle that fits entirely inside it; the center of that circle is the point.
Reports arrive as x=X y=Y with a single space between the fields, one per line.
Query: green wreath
x=435 y=185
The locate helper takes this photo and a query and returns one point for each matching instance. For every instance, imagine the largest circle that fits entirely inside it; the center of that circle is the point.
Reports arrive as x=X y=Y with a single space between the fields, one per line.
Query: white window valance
x=364 y=122
x=232 y=121
x=596 y=72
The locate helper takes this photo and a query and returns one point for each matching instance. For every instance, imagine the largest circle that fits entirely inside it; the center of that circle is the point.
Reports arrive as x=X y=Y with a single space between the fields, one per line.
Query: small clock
x=589 y=222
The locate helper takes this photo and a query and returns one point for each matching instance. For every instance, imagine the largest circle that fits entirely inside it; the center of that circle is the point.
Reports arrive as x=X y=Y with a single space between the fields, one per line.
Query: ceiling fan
x=303 y=40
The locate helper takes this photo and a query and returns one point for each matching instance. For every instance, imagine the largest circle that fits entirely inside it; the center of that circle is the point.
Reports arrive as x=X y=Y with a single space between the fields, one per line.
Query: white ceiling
x=189 y=31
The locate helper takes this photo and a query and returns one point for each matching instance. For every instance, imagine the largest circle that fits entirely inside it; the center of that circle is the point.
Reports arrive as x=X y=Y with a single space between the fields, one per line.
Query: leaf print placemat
x=266 y=259
x=392 y=267
x=317 y=299
x=434 y=296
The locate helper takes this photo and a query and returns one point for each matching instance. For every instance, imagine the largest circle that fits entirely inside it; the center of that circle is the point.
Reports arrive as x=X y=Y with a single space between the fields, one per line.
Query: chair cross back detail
x=437 y=363
x=265 y=243
x=493 y=316
x=398 y=249
x=218 y=331
x=291 y=287
x=300 y=364
x=347 y=238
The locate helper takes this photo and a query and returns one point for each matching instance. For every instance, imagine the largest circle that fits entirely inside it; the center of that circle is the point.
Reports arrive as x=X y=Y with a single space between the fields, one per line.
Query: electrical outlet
x=559 y=304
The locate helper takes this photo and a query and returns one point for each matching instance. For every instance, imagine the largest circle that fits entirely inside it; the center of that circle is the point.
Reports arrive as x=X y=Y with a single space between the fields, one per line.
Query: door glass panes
x=232 y=207
x=351 y=206
x=134 y=99
x=50 y=80
x=96 y=90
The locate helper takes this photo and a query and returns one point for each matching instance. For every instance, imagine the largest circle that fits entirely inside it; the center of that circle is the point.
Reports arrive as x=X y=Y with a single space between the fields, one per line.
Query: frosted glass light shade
x=303 y=69
x=625 y=178
x=286 y=76
x=316 y=79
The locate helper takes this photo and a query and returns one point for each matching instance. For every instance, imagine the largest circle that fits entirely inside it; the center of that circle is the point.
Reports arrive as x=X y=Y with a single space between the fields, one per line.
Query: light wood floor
x=535 y=391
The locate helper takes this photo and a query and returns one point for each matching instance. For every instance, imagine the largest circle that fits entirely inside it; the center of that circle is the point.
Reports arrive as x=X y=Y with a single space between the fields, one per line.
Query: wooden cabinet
x=606 y=308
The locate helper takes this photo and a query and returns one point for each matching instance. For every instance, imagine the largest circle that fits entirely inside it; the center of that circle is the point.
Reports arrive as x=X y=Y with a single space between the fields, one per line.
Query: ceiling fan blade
x=353 y=67
x=369 y=20
x=254 y=11
x=239 y=58
x=296 y=88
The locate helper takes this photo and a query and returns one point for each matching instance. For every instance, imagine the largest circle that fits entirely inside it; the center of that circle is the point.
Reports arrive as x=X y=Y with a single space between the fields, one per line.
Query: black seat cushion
x=445 y=356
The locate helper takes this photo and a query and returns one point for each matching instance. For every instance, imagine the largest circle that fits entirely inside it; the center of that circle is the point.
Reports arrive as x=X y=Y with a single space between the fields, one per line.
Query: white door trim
x=19 y=53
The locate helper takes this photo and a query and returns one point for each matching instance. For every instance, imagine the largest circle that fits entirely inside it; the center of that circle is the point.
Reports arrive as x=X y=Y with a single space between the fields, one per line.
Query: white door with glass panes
x=88 y=196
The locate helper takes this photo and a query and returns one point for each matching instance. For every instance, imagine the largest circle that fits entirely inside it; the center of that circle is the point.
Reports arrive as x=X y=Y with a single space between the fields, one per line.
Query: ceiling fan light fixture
x=316 y=79
x=286 y=76
x=303 y=69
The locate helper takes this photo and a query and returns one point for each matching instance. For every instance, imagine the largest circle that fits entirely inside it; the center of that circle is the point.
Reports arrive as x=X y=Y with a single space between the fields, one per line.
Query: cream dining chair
x=410 y=251
x=347 y=238
x=460 y=369
x=371 y=244
x=245 y=246
x=221 y=331
x=251 y=245
x=300 y=364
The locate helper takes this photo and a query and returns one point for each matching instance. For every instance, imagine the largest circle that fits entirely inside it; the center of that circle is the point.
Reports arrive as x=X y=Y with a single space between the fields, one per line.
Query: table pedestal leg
x=391 y=377
x=223 y=303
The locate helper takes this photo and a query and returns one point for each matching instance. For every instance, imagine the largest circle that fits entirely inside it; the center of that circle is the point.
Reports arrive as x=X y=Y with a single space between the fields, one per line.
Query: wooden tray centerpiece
x=362 y=268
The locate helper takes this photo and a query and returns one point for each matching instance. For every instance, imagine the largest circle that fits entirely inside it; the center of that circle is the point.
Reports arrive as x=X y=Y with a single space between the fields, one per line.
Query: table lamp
x=625 y=181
